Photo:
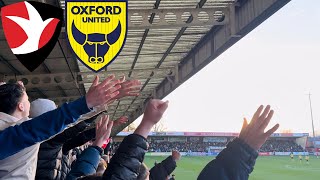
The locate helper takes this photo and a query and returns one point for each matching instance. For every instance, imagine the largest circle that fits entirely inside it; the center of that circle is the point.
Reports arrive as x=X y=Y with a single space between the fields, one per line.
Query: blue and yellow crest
x=96 y=30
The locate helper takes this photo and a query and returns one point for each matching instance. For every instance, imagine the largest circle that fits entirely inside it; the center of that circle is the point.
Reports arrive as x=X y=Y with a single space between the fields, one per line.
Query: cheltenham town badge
x=32 y=30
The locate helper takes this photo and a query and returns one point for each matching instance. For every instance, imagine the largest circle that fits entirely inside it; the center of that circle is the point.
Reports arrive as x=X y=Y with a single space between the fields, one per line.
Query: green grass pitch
x=267 y=168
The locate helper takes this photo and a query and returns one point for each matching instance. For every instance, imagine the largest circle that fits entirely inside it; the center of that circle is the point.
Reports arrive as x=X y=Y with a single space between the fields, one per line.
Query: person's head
x=40 y=106
x=143 y=172
x=14 y=100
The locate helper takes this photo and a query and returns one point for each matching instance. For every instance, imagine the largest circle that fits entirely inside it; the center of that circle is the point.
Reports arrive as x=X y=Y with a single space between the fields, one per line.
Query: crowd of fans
x=183 y=146
x=269 y=146
x=281 y=146
x=39 y=140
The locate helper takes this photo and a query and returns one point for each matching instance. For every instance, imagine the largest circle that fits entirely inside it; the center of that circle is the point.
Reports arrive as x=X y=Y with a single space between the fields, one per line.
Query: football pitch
x=267 y=168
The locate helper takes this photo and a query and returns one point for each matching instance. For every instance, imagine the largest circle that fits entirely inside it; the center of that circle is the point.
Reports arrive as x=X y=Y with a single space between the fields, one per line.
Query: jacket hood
x=7 y=120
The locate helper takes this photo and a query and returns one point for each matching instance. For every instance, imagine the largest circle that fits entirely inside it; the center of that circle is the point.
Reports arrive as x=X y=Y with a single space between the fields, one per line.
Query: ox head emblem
x=96 y=45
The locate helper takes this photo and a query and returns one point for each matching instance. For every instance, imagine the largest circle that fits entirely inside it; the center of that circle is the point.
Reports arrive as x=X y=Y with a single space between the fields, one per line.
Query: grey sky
x=276 y=64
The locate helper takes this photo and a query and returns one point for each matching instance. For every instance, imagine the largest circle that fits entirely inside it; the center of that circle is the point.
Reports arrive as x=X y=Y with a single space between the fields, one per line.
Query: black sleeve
x=79 y=140
x=66 y=135
x=81 y=137
x=163 y=169
x=71 y=132
x=235 y=162
x=126 y=162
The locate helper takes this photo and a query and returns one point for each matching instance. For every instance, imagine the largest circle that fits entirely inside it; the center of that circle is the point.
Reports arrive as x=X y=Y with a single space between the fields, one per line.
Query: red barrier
x=264 y=153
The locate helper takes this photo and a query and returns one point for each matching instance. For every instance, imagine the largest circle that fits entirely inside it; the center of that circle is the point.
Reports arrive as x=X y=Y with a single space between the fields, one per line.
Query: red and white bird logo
x=31 y=29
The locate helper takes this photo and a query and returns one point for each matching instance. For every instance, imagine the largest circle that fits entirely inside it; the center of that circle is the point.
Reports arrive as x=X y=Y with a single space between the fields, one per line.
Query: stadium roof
x=168 y=41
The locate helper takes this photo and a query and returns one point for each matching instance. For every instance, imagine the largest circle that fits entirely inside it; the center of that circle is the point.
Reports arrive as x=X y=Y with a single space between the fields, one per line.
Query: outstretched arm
x=13 y=139
x=236 y=162
x=166 y=167
x=126 y=162
x=87 y=135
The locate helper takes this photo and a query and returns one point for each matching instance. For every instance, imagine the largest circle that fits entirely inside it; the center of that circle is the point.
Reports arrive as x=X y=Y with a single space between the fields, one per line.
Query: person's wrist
x=249 y=144
x=97 y=143
x=89 y=104
x=146 y=123
x=98 y=149
x=143 y=130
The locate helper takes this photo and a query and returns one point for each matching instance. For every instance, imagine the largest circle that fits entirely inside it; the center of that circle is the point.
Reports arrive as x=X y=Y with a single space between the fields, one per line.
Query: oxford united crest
x=96 y=30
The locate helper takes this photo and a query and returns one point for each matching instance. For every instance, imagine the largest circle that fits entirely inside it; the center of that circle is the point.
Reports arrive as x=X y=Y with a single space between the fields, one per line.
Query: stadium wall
x=216 y=153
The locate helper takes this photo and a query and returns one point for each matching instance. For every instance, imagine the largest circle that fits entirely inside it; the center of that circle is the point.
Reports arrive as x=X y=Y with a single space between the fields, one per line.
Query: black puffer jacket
x=126 y=162
x=52 y=163
x=235 y=162
x=163 y=169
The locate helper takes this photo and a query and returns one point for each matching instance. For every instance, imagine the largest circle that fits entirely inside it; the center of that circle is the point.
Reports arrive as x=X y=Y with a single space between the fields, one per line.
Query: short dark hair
x=143 y=172
x=10 y=95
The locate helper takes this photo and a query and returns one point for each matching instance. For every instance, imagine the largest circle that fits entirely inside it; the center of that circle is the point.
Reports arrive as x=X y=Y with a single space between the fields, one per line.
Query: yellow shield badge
x=96 y=30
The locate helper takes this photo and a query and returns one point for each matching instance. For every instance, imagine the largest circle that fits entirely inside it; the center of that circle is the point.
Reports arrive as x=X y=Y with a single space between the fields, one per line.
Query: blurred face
x=24 y=105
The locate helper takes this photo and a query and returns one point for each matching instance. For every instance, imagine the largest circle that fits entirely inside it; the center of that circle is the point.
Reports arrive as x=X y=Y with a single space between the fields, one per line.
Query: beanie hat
x=40 y=106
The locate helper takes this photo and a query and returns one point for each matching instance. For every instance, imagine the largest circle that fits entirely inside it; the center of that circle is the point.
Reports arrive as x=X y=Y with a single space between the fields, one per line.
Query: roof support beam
x=171 y=19
x=60 y=100
x=58 y=79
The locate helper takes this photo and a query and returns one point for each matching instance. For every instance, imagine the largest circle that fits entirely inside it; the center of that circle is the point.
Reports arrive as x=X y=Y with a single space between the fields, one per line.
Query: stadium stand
x=183 y=146
x=215 y=142
x=281 y=146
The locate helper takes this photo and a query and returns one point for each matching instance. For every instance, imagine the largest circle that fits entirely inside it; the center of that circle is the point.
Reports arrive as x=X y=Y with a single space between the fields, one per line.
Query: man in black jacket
x=162 y=170
x=125 y=164
x=236 y=161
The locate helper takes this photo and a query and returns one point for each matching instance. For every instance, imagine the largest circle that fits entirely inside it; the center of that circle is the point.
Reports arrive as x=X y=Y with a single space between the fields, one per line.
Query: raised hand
x=152 y=115
x=101 y=93
x=176 y=155
x=253 y=134
x=129 y=88
x=121 y=120
x=154 y=111
x=103 y=130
